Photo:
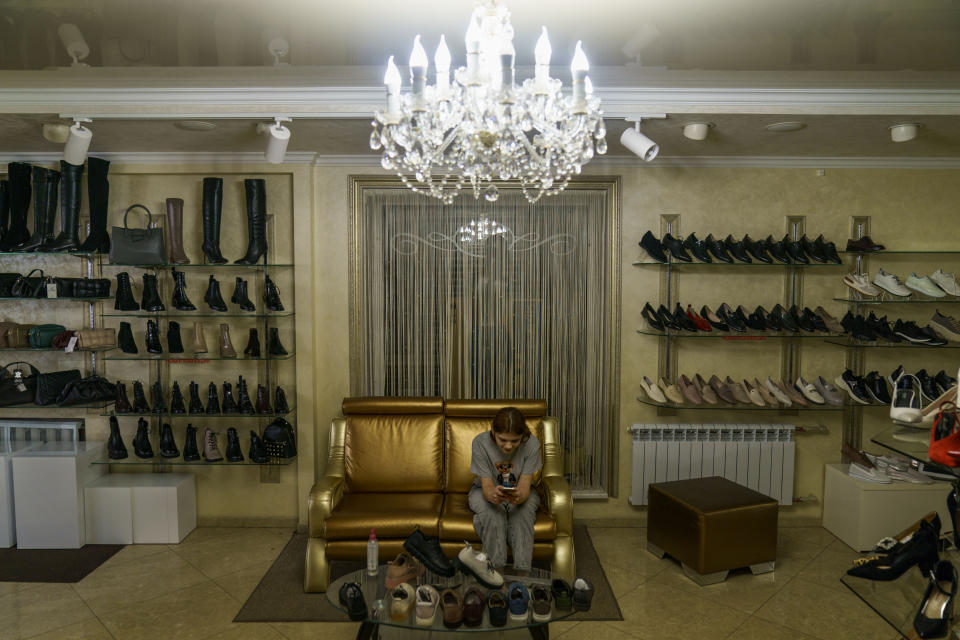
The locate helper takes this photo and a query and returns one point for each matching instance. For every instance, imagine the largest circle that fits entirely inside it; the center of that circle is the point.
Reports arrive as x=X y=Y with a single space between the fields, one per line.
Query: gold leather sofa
x=398 y=463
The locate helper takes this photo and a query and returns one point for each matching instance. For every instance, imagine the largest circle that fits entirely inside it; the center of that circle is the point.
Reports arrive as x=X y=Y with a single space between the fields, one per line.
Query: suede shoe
x=705 y=390
x=582 y=594
x=671 y=391
x=653 y=391
x=427 y=550
x=722 y=390
x=863 y=245
x=452 y=607
x=689 y=391
x=754 y=320
x=828 y=392
x=718 y=249
x=478 y=565
x=675 y=247
x=754 y=394
x=833 y=325
x=497 y=606
x=540 y=603
x=739 y=393
x=405 y=568
x=562 y=594
x=351 y=597
x=795 y=396
x=697 y=248
x=473 y=605
x=518 y=601
x=428 y=601
x=653 y=247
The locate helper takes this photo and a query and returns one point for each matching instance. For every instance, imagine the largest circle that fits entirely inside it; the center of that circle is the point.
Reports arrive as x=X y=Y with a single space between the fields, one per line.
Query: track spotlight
x=904 y=131
x=278 y=136
x=696 y=130
x=74 y=43
x=78 y=141
x=639 y=144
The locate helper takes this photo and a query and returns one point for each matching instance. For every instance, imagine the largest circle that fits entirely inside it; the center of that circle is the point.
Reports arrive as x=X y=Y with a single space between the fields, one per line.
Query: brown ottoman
x=712 y=525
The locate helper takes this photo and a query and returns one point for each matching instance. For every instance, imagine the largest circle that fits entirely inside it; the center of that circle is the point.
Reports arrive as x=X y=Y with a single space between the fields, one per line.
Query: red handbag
x=945 y=436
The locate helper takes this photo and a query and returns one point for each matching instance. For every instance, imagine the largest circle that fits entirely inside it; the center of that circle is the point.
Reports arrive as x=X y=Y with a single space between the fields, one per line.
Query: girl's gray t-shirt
x=487 y=461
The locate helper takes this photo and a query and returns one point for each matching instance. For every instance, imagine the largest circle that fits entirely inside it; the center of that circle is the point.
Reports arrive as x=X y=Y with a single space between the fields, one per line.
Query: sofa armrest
x=559 y=503
x=324 y=497
x=552 y=451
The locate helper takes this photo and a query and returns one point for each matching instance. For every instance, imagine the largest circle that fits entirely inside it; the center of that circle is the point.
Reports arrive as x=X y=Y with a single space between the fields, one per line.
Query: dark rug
x=280 y=598
x=53 y=565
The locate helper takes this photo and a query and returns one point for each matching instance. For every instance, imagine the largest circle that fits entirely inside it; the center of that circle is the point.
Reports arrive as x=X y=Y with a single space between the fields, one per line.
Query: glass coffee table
x=377 y=598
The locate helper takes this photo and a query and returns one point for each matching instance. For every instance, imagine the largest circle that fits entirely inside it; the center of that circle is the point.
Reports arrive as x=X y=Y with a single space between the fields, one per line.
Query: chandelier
x=482 y=126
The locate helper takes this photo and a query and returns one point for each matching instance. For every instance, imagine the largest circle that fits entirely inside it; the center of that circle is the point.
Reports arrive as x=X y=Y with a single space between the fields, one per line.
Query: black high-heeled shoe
x=953 y=501
x=920 y=549
x=667 y=318
x=936 y=608
x=650 y=315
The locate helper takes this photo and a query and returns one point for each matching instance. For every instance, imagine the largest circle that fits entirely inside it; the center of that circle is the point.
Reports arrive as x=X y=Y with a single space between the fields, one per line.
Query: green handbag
x=41 y=335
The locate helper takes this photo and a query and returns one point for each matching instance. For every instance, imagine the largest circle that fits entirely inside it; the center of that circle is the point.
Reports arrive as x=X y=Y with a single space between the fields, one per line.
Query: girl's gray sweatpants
x=503 y=525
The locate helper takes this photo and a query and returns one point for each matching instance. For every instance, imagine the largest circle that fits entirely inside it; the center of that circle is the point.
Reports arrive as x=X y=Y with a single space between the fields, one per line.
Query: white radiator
x=758 y=456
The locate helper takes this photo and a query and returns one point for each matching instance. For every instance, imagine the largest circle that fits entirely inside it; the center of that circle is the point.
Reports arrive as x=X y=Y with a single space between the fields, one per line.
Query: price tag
x=70 y=345
x=51 y=289
x=18 y=381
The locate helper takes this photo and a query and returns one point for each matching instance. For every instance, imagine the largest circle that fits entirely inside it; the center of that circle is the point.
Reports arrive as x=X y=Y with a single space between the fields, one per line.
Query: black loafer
x=718 y=249
x=351 y=597
x=752 y=320
x=653 y=247
x=810 y=249
x=675 y=247
x=427 y=550
x=667 y=318
x=736 y=249
x=697 y=248
x=786 y=320
x=795 y=251
x=681 y=318
x=772 y=321
x=776 y=250
x=650 y=315
x=756 y=250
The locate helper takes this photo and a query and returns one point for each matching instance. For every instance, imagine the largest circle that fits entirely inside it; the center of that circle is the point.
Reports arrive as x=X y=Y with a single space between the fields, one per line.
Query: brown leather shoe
x=688 y=390
x=739 y=393
x=833 y=325
x=452 y=608
x=723 y=391
x=473 y=603
x=864 y=244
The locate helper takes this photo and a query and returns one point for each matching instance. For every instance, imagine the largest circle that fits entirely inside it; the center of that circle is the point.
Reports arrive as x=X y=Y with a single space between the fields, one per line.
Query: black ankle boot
x=168 y=446
x=263 y=401
x=243 y=398
x=4 y=208
x=177 y=407
x=196 y=406
x=256 y=192
x=18 y=174
x=274 y=347
x=46 y=185
x=253 y=345
x=125 y=300
x=211 y=210
x=125 y=339
x=139 y=398
x=122 y=404
x=241 y=297
x=180 y=300
x=116 y=450
x=151 y=294
x=229 y=404
x=156 y=395
x=258 y=452
x=98 y=195
x=212 y=297
x=280 y=403
x=174 y=342
x=234 y=454
x=271 y=295
x=191 y=451
x=213 y=402
x=141 y=441
x=153 y=337
x=69 y=238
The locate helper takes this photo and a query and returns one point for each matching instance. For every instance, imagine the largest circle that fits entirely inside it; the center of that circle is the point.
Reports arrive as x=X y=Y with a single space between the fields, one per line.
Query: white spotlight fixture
x=639 y=144
x=78 y=141
x=74 y=43
x=904 y=132
x=696 y=130
x=278 y=137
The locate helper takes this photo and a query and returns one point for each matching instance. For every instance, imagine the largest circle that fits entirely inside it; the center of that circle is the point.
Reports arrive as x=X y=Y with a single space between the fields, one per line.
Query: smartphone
x=506 y=488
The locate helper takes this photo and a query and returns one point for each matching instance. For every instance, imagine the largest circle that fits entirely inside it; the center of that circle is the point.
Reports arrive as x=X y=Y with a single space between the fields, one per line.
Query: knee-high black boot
x=4 y=208
x=69 y=238
x=46 y=183
x=20 y=192
x=256 y=191
x=211 y=210
x=98 y=196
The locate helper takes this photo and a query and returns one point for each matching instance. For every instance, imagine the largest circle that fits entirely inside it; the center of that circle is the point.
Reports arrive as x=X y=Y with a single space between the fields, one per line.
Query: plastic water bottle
x=373 y=554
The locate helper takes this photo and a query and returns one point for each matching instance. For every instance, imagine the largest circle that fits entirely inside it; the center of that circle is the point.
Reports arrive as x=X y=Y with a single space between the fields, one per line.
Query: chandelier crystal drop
x=480 y=126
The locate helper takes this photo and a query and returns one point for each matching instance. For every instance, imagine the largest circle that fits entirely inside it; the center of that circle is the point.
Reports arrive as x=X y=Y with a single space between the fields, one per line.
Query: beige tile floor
x=194 y=589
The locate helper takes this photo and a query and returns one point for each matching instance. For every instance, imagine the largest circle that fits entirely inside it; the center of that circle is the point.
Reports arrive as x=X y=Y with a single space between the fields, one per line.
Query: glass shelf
x=180 y=462
x=228 y=265
x=686 y=265
x=33 y=407
x=61 y=298
x=736 y=407
x=891 y=345
x=950 y=300
x=166 y=415
x=183 y=357
x=886 y=252
x=737 y=337
x=46 y=253
x=53 y=350
x=195 y=314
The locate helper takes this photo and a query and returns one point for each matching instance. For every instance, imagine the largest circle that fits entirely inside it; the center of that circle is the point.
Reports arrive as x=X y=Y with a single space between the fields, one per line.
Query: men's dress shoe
x=776 y=250
x=827 y=249
x=803 y=321
x=562 y=594
x=795 y=396
x=582 y=594
x=713 y=319
x=650 y=315
x=946 y=326
x=452 y=607
x=756 y=250
x=518 y=601
x=811 y=250
x=405 y=568
x=697 y=248
x=497 y=608
x=474 y=602
x=863 y=245
x=739 y=393
x=945 y=281
x=722 y=390
x=754 y=394
x=828 y=392
x=809 y=391
x=877 y=387
x=653 y=247
x=753 y=320
x=705 y=390
x=667 y=318
x=681 y=318
x=833 y=325
x=736 y=249
x=927 y=384
x=795 y=251
x=351 y=597
x=854 y=386
x=401 y=602
x=428 y=601
x=944 y=382
x=786 y=321
x=718 y=249
x=540 y=603
x=777 y=392
x=671 y=391
x=814 y=320
x=730 y=317
x=478 y=565
x=770 y=320
x=890 y=283
x=699 y=321
x=427 y=550
x=653 y=391
x=676 y=248
x=936 y=608
x=920 y=550
x=924 y=285
x=689 y=391
x=859 y=283
x=764 y=393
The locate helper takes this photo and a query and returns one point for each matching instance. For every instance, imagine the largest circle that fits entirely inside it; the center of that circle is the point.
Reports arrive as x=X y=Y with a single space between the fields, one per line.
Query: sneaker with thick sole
x=859 y=283
x=518 y=601
x=946 y=281
x=910 y=332
x=479 y=566
x=890 y=283
x=877 y=387
x=427 y=550
x=582 y=594
x=428 y=601
x=854 y=386
x=540 y=603
x=562 y=594
x=924 y=285
x=946 y=326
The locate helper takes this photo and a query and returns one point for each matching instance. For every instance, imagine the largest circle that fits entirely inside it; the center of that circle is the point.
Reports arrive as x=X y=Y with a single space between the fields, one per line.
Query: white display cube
x=141 y=508
x=862 y=513
x=8 y=521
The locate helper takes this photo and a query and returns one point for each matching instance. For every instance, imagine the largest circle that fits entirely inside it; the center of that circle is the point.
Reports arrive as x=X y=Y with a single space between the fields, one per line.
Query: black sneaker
x=697 y=248
x=854 y=386
x=857 y=327
x=667 y=318
x=944 y=381
x=910 y=332
x=718 y=249
x=895 y=375
x=795 y=251
x=927 y=384
x=934 y=338
x=877 y=387
x=676 y=249
x=776 y=250
x=827 y=249
x=736 y=249
x=653 y=247
x=881 y=328
x=756 y=250
x=650 y=315
x=681 y=318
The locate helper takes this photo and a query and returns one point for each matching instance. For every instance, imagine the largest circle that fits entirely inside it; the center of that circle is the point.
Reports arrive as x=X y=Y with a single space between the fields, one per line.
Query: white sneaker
x=925 y=285
x=859 y=282
x=946 y=281
x=891 y=283
x=428 y=600
x=477 y=564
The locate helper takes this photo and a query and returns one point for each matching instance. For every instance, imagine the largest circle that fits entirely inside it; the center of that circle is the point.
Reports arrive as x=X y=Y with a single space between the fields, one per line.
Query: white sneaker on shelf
x=869 y=475
x=946 y=281
x=924 y=285
x=890 y=283
x=858 y=282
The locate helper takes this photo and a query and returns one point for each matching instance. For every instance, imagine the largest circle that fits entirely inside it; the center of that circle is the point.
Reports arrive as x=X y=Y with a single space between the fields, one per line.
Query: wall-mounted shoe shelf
x=891 y=345
x=899 y=301
x=197 y=417
x=710 y=265
x=735 y=407
x=179 y=462
x=739 y=337
x=258 y=265
x=195 y=314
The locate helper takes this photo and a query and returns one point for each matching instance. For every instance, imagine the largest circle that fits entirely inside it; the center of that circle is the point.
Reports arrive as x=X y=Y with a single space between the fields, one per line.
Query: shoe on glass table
x=859 y=283
x=428 y=600
x=946 y=281
x=518 y=601
x=478 y=565
x=924 y=285
x=890 y=283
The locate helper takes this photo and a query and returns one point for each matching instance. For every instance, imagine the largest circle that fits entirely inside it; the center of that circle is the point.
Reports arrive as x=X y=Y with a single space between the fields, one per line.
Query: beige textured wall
x=910 y=209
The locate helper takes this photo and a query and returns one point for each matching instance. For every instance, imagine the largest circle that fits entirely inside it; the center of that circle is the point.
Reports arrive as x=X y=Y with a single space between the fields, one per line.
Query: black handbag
x=6 y=284
x=137 y=246
x=49 y=385
x=83 y=287
x=280 y=440
x=29 y=286
x=87 y=390
x=16 y=387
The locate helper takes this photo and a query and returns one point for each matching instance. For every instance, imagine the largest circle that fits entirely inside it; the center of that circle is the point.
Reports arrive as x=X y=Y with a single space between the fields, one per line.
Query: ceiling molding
x=296 y=157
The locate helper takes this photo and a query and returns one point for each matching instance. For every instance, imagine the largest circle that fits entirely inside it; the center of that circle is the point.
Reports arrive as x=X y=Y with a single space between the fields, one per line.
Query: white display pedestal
x=862 y=513
x=48 y=482
x=8 y=521
x=141 y=508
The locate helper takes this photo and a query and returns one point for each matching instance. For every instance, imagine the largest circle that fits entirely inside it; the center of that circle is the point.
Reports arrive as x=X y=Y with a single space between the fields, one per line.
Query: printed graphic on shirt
x=505 y=474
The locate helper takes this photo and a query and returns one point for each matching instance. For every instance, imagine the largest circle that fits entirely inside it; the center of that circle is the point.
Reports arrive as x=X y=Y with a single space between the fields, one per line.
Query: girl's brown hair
x=510 y=420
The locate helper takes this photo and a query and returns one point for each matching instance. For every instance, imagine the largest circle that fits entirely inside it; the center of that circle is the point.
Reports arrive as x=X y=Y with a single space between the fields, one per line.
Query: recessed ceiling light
x=697 y=130
x=194 y=125
x=781 y=127
x=904 y=132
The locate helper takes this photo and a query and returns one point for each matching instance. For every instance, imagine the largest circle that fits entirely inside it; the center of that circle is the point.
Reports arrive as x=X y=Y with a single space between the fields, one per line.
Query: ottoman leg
x=704 y=579
x=762 y=567
x=655 y=550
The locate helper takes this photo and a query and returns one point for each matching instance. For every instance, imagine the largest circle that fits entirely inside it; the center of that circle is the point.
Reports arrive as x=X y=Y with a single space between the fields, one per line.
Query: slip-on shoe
x=497 y=608
x=452 y=606
x=671 y=391
x=713 y=319
x=828 y=392
x=722 y=390
x=809 y=391
x=705 y=390
x=689 y=391
x=653 y=391
x=473 y=605
x=739 y=393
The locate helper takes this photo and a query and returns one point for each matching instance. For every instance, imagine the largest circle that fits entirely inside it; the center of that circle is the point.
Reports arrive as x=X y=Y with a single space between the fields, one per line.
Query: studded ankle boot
x=211 y=452
x=253 y=345
x=196 y=406
x=180 y=300
x=234 y=454
x=116 y=450
x=271 y=295
x=153 y=337
x=274 y=347
x=124 y=300
x=212 y=297
x=151 y=294
x=263 y=401
x=190 y=450
x=177 y=407
x=122 y=405
x=139 y=398
x=241 y=297
x=141 y=441
x=168 y=446
x=213 y=402
x=229 y=404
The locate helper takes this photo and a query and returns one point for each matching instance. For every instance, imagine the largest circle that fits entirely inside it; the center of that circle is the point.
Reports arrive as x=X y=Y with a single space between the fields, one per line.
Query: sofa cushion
x=393 y=515
x=459 y=434
x=400 y=453
x=456 y=521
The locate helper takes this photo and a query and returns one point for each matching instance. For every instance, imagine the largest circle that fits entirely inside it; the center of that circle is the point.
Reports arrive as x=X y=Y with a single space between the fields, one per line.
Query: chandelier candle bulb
x=542 y=54
x=392 y=80
x=578 y=70
x=441 y=60
x=418 y=72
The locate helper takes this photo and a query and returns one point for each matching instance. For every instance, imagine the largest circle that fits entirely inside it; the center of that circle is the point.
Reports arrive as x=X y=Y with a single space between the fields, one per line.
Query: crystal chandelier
x=482 y=126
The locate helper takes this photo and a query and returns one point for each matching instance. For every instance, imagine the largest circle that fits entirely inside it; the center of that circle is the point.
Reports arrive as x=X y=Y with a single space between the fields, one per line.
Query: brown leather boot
x=226 y=347
x=199 y=342
x=175 y=223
